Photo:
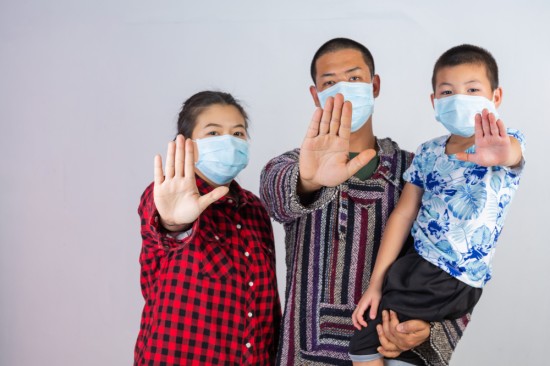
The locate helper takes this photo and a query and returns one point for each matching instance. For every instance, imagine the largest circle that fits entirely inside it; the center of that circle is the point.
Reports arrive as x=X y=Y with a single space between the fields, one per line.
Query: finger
x=169 y=168
x=313 y=129
x=464 y=156
x=374 y=308
x=394 y=322
x=180 y=145
x=478 y=128
x=501 y=129
x=345 y=121
x=159 y=175
x=361 y=315
x=493 y=125
x=336 y=114
x=412 y=326
x=189 y=159
x=386 y=326
x=387 y=348
x=326 y=117
x=213 y=196
x=360 y=161
x=485 y=122
x=357 y=319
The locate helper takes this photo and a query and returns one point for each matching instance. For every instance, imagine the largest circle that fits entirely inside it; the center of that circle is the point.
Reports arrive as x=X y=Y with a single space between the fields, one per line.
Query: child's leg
x=377 y=362
x=364 y=342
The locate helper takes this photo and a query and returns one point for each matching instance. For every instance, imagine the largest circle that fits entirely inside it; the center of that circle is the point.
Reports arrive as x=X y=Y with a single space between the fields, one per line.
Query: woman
x=207 y=261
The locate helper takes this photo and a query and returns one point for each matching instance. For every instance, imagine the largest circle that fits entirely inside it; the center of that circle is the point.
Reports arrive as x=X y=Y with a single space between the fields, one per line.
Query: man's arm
x=297 y=183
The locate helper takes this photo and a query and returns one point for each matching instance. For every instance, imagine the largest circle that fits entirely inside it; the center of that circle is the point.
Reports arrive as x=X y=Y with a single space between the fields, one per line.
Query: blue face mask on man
x=221 y=158
x=359 y=94
x=457 y=113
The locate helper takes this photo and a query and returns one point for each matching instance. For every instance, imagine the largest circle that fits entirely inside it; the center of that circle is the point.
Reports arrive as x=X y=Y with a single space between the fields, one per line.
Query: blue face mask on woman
x=457 y=113
x=359 y=94
x=221 y=158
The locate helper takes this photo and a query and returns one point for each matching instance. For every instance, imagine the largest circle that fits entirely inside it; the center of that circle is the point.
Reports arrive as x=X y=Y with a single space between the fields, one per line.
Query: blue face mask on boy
x=221 y=158
x=359 y=94
x=457 y=113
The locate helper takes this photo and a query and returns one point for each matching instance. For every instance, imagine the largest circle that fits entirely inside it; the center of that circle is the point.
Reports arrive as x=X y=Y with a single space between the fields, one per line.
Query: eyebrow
x=345 y=72
x=449 y=84
x=213 y=124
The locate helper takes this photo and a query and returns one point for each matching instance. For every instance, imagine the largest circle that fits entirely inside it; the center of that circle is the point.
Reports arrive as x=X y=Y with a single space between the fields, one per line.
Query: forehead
x=340 y=61
x=462 y=73
x=223 y=115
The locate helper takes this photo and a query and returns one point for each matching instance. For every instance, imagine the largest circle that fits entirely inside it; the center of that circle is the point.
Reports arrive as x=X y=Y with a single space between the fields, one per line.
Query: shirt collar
x=235 y=190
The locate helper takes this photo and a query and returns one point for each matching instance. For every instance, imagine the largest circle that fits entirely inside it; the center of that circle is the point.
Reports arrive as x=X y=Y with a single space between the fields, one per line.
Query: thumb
x=465 y=156
x=410 y=327
x=360 y=161
x=213 y=196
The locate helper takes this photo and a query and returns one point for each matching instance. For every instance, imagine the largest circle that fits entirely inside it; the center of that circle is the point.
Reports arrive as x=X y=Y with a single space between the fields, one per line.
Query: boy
x=458 y=191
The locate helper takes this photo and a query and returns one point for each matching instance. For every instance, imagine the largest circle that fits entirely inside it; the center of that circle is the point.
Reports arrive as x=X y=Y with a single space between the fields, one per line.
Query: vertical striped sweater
x=331 y=244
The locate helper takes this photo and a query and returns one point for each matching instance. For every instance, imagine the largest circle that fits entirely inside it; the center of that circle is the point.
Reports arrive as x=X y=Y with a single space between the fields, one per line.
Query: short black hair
x=197 y=103
x=337 y=44
x=468 y=54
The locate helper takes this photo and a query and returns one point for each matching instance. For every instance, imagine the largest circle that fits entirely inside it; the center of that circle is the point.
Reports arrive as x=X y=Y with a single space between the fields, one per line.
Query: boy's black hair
x=468 y=54
x=337 y=44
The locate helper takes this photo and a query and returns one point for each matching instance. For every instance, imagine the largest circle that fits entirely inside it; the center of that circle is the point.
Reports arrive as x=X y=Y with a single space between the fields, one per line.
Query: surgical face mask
x=359 y=94
x=457 y=113
x=221 y=158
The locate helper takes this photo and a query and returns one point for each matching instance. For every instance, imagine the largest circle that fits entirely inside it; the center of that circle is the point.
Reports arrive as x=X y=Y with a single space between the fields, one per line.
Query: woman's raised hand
x=176 y=195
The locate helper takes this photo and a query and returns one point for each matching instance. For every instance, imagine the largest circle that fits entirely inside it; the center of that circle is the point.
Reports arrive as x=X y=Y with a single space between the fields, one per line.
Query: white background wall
x=90 y=91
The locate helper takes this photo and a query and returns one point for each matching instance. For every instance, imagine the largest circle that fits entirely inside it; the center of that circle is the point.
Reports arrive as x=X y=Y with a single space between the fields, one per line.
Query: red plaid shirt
x=210 y=298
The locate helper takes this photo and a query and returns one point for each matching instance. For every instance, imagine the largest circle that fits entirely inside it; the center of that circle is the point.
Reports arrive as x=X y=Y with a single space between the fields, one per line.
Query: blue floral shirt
x=463 y=209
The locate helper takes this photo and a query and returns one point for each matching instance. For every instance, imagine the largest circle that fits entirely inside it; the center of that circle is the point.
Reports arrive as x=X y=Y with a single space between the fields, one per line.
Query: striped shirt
x=331 y=244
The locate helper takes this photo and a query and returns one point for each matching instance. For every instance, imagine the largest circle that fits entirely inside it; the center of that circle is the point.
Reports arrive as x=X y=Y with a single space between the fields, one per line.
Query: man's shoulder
x=289 y=156
x=391 y=148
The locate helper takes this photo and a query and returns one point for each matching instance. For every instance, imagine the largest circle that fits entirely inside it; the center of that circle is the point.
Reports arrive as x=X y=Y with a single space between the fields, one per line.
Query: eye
x=239 y=134
x=329 y=83
x=473 y=90
x=212 y=133
x=446 y=92
x=355 y=78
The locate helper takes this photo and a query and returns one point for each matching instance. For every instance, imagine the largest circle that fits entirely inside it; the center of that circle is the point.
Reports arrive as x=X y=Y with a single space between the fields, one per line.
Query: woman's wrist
x=174 y=227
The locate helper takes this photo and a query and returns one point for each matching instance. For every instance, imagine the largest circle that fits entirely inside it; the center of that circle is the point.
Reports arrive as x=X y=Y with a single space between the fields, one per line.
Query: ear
x=432 y=100
x=376 y=85
x=498 y=96
x=313 y=92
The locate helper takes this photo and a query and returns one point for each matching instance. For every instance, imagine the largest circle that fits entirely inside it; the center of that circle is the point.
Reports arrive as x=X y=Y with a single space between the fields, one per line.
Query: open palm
x=493 y=145
x=324 y=155
x=176 y=195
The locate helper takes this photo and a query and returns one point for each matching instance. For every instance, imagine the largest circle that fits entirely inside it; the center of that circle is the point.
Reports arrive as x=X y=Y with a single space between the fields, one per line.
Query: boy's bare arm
x=396 y=231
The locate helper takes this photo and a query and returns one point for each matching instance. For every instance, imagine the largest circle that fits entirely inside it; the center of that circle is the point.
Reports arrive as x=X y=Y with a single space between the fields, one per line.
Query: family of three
x=387 y=251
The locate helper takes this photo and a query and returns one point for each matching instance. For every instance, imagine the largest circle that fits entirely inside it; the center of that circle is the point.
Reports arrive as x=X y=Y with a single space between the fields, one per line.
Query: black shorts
x=416 y=289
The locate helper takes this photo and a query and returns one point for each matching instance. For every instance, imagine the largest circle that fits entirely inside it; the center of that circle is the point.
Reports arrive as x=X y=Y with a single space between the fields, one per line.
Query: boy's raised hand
x=371 y=298
x=176 y=195
x=493 y=145
x=324 y=155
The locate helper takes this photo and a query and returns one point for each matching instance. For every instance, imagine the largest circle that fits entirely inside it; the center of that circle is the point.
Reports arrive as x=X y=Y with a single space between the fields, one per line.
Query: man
x=333 y=196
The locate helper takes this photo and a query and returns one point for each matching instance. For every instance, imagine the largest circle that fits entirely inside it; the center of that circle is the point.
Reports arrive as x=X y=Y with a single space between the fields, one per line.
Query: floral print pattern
x=463 y=209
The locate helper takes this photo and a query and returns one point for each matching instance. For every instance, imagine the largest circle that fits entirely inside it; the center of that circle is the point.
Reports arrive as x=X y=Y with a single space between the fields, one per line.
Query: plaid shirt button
x=251 y=284
x=216 y=237
x=250 y=314
x=248 y=345
x=239 y=226
x=246 y=254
